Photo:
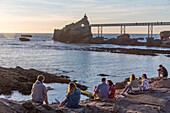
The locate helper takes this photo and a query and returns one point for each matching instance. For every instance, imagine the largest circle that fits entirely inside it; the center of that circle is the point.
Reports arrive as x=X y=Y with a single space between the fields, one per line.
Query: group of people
x=104 y=90
x=39 y=93
x=133 y=83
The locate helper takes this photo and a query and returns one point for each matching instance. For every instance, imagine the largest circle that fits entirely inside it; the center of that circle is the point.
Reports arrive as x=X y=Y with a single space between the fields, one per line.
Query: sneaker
x=124 y=94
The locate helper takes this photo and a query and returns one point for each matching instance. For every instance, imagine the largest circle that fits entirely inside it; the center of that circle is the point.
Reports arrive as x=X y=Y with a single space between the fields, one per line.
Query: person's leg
x=127 y=88
x=95 y=95
x=46 y=100
x=159 y=74
x=141 y=88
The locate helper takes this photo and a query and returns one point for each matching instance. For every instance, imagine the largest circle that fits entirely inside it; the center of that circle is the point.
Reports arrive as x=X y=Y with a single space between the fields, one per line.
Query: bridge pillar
x=100 y=31
x=122 y=29
x=150 y=31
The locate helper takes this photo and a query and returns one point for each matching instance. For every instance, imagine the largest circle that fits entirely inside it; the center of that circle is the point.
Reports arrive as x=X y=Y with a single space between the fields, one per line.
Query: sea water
x=44 y=54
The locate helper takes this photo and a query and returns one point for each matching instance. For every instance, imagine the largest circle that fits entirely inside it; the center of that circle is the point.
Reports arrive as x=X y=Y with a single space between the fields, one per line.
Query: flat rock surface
x=155 y=101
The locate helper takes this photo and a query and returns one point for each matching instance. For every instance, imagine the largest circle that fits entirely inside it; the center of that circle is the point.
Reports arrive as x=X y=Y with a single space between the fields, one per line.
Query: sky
x=43 y=16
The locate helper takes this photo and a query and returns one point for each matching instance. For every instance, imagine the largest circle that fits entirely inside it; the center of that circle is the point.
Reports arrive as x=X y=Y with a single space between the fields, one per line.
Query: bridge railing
x=123 y=26
x=132 y=24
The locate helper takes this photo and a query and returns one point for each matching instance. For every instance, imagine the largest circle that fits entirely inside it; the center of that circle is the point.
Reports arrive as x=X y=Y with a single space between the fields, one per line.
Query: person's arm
x=46 y=100
x=129 y=83
x=142 y=84
x=159 y=72
x=45 y=95
x=32 y=89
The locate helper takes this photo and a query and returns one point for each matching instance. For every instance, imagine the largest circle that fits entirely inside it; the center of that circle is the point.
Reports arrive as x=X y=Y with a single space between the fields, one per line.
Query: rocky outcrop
x=79 y=32
x=155 y=101
x=124 y=37
x=97 y=40
x=22 y=79
x=24 y=39
x=136 y=51
x=165 y=35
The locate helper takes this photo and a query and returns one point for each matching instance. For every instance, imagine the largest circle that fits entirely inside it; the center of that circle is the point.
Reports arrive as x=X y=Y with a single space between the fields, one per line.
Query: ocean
x=44 y=54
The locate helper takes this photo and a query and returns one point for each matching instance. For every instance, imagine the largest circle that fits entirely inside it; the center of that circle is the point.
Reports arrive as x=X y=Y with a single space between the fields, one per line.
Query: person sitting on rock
x=162 y=71
x=111 y=89
x=39 y=91
x=73 y=96
x=133 y=83
x=102 y=90
x=145 y=83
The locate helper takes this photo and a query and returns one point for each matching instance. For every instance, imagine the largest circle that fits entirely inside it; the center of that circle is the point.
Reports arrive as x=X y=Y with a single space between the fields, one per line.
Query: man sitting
x=39 y=91
x=162 y=71
x=102 y=90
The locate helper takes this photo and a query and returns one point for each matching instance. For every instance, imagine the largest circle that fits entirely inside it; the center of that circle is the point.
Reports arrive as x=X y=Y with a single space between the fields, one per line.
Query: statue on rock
x=79 y=32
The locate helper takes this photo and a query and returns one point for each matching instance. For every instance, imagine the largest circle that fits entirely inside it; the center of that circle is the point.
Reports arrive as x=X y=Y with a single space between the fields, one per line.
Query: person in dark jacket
x=162 y=71
x=73 y=96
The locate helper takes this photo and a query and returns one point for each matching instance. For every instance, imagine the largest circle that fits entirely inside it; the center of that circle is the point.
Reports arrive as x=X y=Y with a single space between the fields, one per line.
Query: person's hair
x=144 y=75
x=71 y=87
x=103 y=79
x=110 y=82
x=132 y=77
x=160 y=65
x=40 y=78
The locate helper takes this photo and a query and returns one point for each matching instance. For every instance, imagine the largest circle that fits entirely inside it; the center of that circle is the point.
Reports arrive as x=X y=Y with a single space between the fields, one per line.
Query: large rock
x=165 y=35
x=97 y=40
x=124 y=38
x=79 y=32
x=22 y=79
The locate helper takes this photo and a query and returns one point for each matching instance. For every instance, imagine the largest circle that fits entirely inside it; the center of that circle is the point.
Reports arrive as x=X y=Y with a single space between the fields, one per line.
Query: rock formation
x=165 y=35
x=22 y=79
x=79 y=32
x=25 y=37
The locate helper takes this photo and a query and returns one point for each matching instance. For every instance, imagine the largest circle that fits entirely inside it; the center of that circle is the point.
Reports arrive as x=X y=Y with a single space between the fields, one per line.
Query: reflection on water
x=83 y=66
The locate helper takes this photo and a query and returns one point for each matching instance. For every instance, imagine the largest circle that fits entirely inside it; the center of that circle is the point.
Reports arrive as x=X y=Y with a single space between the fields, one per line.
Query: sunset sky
x=43 y=16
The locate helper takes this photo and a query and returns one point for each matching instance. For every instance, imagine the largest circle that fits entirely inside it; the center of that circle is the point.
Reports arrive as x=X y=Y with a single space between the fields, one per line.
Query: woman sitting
x=145 y=83
x=111 y=89
x=73 y=96
x=133 y=83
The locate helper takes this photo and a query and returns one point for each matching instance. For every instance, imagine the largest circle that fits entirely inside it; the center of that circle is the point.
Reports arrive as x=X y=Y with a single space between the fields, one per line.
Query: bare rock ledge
x=156 y=101
x=22 y=79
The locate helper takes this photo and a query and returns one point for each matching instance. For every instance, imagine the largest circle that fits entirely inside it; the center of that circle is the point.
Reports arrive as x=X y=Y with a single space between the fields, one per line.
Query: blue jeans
x=127 y=88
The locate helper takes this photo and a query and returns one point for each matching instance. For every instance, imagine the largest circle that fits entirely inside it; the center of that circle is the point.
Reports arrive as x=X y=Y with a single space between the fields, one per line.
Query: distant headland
x=80 y=32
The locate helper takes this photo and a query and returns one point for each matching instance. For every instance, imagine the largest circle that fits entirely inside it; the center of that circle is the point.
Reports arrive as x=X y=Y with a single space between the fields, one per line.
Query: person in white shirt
x=145 y=83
